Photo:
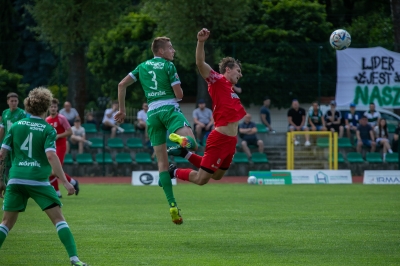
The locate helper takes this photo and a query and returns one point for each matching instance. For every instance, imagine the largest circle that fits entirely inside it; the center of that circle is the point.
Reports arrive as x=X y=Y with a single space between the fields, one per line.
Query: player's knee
x=244 y=143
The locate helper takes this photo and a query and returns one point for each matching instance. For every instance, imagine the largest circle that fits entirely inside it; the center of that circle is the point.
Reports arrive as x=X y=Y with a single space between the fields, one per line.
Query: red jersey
x=60 y=123
x=227 y=107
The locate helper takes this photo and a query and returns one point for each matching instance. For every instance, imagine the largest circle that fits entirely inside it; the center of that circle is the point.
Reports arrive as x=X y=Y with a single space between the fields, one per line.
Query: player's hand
x=70 y=188
x=203 y=35
x=119 y=117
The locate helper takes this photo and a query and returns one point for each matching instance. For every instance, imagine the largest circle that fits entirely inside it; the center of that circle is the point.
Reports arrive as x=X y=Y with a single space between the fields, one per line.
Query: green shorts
x=16 y=197
x=167 y=117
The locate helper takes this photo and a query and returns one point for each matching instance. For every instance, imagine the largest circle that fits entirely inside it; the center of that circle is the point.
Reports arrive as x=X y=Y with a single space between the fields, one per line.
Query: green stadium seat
x=89 y=128
x=354 y=157
x=323 y=142
x=134 y=143
x=128 y=128
x=171 y=143
x=178 y=159
x=240 y=157
x=391 y=128
x=200 y=153
x=392 y=157
x=68 y=159
x=261 y=128
x=258 y=157
x=115 y=143
x=84 y=158
x=123 y=157
x=374 y=157
x=107 y=158
x=142 y=158
x=344 y=143
x=96 y=143
x=340 y=158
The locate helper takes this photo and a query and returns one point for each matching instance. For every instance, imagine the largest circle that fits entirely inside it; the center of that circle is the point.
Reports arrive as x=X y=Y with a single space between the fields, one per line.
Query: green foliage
x=59 y=93
x=11 y=82
x=113 y=54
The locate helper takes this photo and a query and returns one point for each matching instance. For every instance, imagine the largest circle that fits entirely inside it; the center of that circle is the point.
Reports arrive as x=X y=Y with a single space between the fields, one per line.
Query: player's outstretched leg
x=184 y=153
x=184 y=141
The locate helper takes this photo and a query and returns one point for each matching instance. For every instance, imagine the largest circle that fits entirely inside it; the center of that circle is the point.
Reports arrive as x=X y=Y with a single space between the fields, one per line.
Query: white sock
x=175 y=172
x=390 y=151
x=74 y=258
x=384 y=156
x=188 y=155
x=73 y=182
x=58 y=193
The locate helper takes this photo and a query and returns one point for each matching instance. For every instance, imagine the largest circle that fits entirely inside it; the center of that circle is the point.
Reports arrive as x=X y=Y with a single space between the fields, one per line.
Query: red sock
x=183 y=174
x=195 y=160
x=54 y=182
x=68 y=177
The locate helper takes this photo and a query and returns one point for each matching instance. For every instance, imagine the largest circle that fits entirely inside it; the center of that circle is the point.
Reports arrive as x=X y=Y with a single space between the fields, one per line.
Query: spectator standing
x=382 y=137
x=333 y=120
x=78 y=136
x=69 y=113
x=109 y=124
x=203 y=120
x=351 y=120
x=373 y=115
x=248 y=134
x=316 y=121
x=142 y=117
x=365 y=135
x=265 y=114
x=297 y=119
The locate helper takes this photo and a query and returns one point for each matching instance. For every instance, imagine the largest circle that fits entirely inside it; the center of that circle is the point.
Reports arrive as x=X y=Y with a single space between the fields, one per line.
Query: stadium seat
x=258 y=157
x=123 y=158
x=107 y=158
x=344 y=143
x=323 y=142
x=128 y=128
x=171 y=143
x=390 y=157
x=142 y=157
x=134 y=143
x=96 y=143
x=340 y=158
x=374 y=157
x=115 y=143
x=89 y=128
x=240 y=157
x=68 y=159
x=391 y=128
x=354 y=157
x=84 y=158
x=261 y=128
x=178 y=159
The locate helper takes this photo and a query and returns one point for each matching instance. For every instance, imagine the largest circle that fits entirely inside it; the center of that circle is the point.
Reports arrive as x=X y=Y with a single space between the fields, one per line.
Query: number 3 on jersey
x=153 y=79
x=27 y=145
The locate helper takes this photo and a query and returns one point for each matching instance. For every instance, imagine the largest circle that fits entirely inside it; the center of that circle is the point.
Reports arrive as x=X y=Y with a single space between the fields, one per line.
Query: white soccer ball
x=340 y=39
x=252 y=180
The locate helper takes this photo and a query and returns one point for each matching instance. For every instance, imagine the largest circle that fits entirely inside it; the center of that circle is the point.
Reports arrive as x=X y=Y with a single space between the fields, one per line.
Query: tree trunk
x=349 y=8
x=395 y=5
x=77 y=80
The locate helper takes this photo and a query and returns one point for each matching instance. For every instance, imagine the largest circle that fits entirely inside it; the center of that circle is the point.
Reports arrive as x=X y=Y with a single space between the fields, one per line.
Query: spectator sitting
x=297 y=118
x=365 y=135
x=395 y=143
x=372 y=115
x=141 y=123
x=109 y=124
x=265 y=115
x=69 y=112
x=333 y=118
x=78 y=136
x=90 y=119
x=351 y=120
x=203 y=120
x=316 y=121
x=248 y=134
x=382 y=137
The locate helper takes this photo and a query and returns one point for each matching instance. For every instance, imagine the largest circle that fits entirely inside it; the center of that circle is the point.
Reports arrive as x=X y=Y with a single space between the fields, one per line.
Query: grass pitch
x=223 y=225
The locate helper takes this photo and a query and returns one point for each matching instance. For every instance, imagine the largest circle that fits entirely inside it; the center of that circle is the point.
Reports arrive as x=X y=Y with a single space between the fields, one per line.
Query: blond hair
x=158 y=43
x=228 y=62
x=38 y=101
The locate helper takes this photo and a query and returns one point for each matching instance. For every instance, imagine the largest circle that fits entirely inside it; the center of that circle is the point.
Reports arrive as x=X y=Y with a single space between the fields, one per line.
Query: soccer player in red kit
x=227 y=112
x=63 y=129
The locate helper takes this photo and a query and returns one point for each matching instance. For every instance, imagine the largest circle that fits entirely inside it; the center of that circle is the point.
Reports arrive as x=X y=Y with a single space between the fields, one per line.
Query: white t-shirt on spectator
x=80 y=132
x=109 y=119
x=142 y=115
x=71 y=115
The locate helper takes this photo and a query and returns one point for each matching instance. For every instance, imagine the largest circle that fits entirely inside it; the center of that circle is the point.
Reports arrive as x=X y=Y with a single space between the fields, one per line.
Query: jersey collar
x=36 y=117
x=157 y=57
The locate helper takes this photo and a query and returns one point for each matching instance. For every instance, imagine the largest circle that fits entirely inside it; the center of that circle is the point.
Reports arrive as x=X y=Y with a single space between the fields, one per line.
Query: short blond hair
x=228 y=62
x=38 y=101
x=158 y=43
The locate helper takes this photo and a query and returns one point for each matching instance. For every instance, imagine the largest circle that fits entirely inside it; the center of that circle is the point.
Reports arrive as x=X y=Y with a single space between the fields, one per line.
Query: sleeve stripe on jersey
x=132 y=76
x=50 y=149
x=176 y=82
x=6 y=147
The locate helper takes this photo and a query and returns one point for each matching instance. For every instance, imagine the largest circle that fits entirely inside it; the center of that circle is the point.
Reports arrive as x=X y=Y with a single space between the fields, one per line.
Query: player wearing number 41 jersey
x=162 y=88
x=32 y=144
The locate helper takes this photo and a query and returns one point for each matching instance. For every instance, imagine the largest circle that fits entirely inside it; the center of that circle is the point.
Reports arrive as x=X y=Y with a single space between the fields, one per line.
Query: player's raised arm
x=204 y=68
x=120 y=116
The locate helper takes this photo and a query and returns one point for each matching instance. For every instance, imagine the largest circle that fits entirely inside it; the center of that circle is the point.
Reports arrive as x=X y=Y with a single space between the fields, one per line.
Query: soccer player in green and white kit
x=9 y=116
x=162 y=88
x=32 y=144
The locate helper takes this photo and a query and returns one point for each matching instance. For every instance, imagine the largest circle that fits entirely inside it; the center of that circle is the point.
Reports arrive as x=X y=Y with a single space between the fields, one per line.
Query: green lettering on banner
x=396 y=99
x=375 y=95
x=387 y=97
x=275 y=178
x=361 y=95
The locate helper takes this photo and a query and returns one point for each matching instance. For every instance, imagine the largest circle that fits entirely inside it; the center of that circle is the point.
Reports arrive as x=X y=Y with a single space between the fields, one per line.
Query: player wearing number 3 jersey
x=162 y=88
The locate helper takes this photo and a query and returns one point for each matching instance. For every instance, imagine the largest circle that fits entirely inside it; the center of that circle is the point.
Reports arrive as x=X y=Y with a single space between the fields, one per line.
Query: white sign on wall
x=147 y=178
x=367 y=75
x=382 y=177
x=319 y=176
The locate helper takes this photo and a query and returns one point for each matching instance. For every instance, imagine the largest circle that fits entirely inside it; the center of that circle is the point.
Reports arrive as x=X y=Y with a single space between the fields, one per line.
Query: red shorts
x=219 y=152
x=60 y=151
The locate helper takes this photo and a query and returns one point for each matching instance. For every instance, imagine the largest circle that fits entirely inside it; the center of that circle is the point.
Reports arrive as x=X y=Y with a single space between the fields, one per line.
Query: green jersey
x=10 y=117
x=28 y=140
x=157 y=76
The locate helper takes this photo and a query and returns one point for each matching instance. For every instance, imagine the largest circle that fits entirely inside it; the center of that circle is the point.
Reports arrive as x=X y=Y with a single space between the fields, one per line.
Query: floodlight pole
x=319 y=74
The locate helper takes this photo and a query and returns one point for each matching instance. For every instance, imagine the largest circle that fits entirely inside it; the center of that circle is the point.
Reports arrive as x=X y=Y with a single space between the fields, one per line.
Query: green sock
x=3 y=233
x=192 y=145
x=165 y=180
x=66 y=238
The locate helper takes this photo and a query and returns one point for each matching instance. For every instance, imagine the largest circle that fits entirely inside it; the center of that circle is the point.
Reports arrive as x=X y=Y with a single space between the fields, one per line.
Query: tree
x=72 y=24
x=11 y=82
x=395 y=5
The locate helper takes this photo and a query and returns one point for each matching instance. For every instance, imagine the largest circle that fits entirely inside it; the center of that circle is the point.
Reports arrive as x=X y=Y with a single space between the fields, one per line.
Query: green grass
x=223 y=225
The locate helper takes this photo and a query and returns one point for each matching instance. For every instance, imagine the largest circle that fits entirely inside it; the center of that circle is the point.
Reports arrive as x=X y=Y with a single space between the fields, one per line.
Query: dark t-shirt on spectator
x=353 y=118
x=297 y=116
x=365 y=131
x=328 y=114
x=247 y=136
x=264 y=110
